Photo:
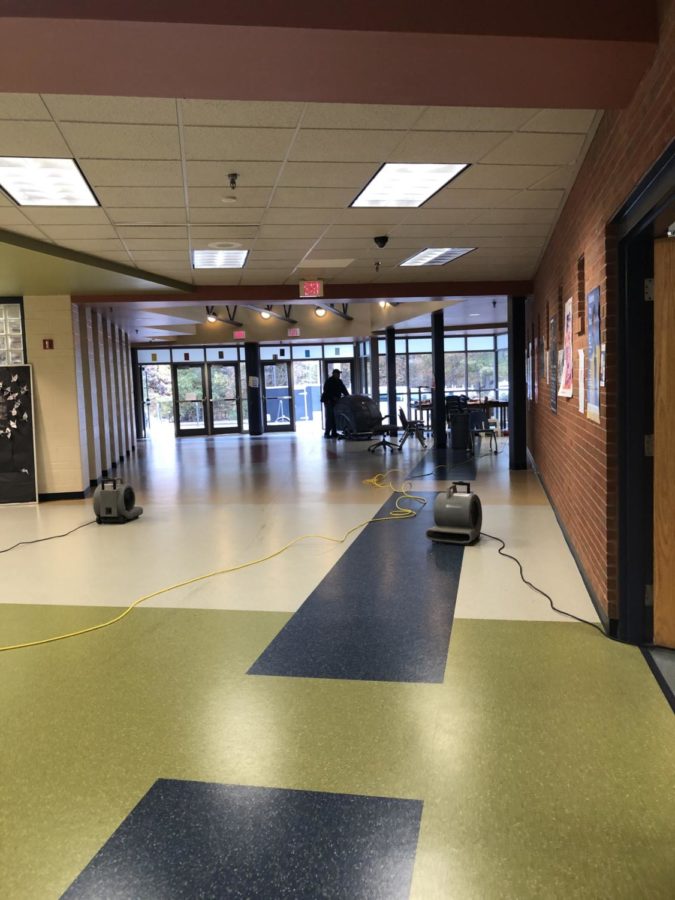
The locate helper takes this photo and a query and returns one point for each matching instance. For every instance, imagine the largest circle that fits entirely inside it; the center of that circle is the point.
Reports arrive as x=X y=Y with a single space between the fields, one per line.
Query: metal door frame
x=279 y=426
x=210 y=421
x=186 y=432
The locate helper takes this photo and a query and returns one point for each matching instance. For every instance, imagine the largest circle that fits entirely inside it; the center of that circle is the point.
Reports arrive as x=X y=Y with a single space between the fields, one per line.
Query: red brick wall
x=576 y=457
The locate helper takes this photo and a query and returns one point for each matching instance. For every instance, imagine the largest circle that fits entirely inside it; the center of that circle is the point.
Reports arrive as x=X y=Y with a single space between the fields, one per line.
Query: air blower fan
x=114 y=503
x=458 y=516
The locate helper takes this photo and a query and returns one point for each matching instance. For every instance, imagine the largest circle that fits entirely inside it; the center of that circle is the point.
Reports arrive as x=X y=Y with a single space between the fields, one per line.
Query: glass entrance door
x=224 y=402
x=278 y=396
x=346 y=367
x=190 y=399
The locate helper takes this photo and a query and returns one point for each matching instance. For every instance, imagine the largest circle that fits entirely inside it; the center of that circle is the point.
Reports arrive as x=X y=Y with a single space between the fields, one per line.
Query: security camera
x=381 y=240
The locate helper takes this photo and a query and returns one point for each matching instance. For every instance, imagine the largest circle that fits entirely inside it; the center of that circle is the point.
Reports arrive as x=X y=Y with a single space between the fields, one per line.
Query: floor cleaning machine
x=458 y=516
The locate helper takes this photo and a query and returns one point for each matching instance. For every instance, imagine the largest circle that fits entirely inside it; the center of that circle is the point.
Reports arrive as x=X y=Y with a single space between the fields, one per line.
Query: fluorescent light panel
x=407 y=184
x=436 y=256
x=218 y=259
x=32 y=181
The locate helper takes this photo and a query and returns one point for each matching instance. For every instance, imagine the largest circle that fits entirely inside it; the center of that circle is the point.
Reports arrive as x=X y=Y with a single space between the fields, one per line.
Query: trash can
x=459 y=431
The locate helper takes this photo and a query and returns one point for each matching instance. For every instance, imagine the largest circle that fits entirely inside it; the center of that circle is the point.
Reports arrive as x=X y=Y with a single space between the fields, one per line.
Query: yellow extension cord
x=379 y=480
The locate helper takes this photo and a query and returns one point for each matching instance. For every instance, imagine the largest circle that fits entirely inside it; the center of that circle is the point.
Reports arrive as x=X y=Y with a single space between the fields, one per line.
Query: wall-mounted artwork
x=18 y=482
x=593 y=357
x=566 y=388
x=553 y=361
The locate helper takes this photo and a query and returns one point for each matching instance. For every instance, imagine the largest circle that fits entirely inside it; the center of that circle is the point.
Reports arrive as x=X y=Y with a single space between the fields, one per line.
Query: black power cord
x=50 y=538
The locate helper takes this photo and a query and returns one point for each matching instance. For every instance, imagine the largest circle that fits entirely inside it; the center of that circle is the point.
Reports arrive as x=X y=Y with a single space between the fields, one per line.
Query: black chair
x=410 y=427
x=480 y=427
x=383 y=431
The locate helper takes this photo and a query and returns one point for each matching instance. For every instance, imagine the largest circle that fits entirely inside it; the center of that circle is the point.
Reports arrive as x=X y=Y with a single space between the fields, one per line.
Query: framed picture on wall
x=593 y=360
x=18 y=477
x=566 y=388
x=553 y=361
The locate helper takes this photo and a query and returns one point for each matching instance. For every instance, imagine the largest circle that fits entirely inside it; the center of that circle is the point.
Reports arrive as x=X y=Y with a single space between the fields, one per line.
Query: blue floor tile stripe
x=189 y=839
x=457 y=465
x=383 y=613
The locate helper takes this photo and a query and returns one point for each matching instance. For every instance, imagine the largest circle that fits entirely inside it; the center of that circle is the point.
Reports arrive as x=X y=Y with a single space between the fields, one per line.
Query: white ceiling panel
x=299 y=216
x=283 y=244
x=534 y=200
x=371 y=216
x=226 y=215
x=313 y=145
x=327 y=175
x=216 y=276
x=31 y=231
x=170 y=255
x=356 y=231
x=456 y=198
x=83 y=232
x=267 y=276
x=239 y=113
x=62 y=215
x=152 y=197
x=360 y=116
x=485 y=177
x=462 y=118
x=93 y=246
x=105 y=141
x=224 y=232
x=22 y=106
x=438 y=216
x=139 y=110
x=145 y=216
x=213 y=196
x=446 y=146
x=132 y=172
x=215 y=174
x=134 y=244
x=10 y=215
x=280 y=265
x=291 y=231
x=205 y=243
x=280 y=255
x=32 y=139
x=237 y=143
x=515 y=216
x=537 y=149
x=313 y=197
x=577 y=121
x=561 y=179
x=150 y=231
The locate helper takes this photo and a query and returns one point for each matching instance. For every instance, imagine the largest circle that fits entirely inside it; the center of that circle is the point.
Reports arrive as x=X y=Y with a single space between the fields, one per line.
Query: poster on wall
x=18 y=482
x=593 y=357
x=528 y=370
x=535 y=370
x=566 y=388
x=582 y=384
x=553 y=361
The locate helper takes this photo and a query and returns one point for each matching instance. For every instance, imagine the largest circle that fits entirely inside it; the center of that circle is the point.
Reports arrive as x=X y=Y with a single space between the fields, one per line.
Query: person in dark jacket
x=333 y=390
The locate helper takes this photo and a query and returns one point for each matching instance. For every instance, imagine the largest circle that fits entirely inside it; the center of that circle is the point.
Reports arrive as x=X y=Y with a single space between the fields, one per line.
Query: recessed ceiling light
x=407 y=184
x=218 y=259
x=224 y=245
x=31 y=181
x=436 y=256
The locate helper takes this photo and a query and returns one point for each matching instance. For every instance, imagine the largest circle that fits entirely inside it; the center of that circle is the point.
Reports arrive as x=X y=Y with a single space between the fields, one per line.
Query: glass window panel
x=481 y=371
x=452 y=344
x=154 y=356
x=307 y=351
x=185 y=354
x=400 y=345
x=480 y=343
x=275 y=352
x=382 y=347
x=502 y=341
x=339 y=351
x=2 y=323
x=503 y=372
x=228 y=354
x=419 y=345
x=13 y=310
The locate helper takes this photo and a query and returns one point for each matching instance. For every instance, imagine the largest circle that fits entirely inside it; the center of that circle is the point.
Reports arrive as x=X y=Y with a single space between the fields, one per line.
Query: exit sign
x=311 y=288
x=239 y=335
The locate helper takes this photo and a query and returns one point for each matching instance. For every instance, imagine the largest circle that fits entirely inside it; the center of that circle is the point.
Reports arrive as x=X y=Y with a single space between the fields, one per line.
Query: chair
x=383 y=431
x=410 y=427
x=457 y=417
x=481 y=426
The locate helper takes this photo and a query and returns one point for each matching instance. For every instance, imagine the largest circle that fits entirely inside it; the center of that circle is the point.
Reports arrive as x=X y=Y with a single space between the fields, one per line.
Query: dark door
x=224 y=404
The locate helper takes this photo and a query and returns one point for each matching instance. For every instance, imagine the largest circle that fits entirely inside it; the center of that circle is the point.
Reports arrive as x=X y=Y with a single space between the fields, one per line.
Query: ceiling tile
x=215 y=174
x=216 y=276
x=32 y=139
x=327 y=175
x=298 y=216
x=371 y=216
x=561 y=178
x=456 y=198
x=537 y=149
x=205 y=243
x=150 y=231
x=501 y=177
x=31 y=231
x=105 y=141
x=213 y=196
x=445 y=146
x=462 y=118
x=360 y=116
x=515 y=216
x=204 y=215
x=22 y=106
x=240 y=113
x=577 y=121
x=534 y=200
x=237 y=143
x=170 y=255
x=134 y=244
x=10 y=215
x=473 y=232
x=291 y=231
x=147 y=216
x=269 y=276
x=115 y=255
x=141 y=110
x=276 y=254
x=313 y=198
x=345 y=146
x=131 y=172
x=435 y=216
x=224 y=232
x=297 y=244
x=84 y=232
x=151 y=197
x=352 y=231
x=255 y=264
x=92 y=246
x=61 y=215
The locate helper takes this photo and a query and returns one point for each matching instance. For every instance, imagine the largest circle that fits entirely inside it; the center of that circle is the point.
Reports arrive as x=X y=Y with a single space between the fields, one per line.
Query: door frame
x=279 y=425
x=235 y=429
x=187 y=432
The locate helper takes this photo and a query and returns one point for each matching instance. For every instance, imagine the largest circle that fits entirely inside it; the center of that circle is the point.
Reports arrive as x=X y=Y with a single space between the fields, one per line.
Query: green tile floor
x=546 y=759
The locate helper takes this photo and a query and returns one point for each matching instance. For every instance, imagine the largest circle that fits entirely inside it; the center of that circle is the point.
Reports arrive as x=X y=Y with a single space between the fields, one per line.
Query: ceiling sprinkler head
x=377 y=265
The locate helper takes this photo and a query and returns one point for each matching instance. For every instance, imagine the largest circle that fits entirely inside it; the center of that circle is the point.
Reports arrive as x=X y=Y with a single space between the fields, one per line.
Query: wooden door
x=664 y=442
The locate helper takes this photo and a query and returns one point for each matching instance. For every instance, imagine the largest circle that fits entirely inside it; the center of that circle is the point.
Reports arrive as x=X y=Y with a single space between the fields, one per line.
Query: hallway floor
x=163 y=757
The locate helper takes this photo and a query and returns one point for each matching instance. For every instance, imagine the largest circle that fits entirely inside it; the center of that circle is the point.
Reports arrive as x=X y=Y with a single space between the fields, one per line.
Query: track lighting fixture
x=319 y=311
x=211 y=314
x=265 y=314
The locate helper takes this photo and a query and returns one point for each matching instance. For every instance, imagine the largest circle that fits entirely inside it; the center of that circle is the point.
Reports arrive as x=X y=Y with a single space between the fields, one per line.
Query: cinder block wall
x=576 y=457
